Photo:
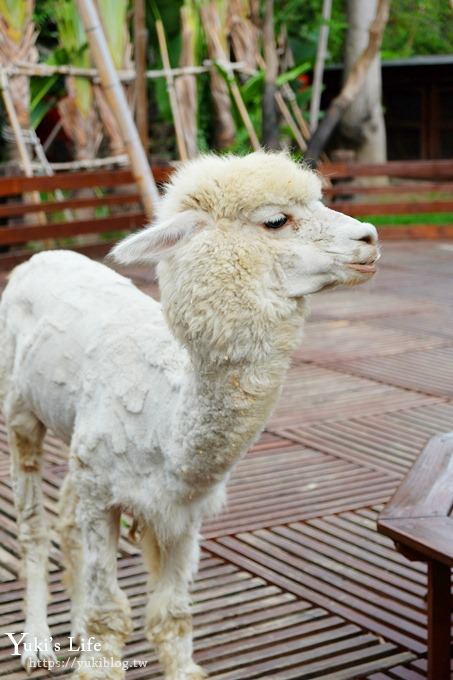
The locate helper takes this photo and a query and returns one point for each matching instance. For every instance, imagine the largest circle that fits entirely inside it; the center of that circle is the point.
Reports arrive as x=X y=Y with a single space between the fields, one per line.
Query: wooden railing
x=407 y=188
x=102 y=201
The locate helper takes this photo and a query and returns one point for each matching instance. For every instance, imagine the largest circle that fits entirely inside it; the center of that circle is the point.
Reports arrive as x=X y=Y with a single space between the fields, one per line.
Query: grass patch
x=416 y=218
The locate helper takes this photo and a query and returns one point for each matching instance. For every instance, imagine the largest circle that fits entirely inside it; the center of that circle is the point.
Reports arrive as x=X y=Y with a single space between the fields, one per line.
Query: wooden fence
x=107 y=201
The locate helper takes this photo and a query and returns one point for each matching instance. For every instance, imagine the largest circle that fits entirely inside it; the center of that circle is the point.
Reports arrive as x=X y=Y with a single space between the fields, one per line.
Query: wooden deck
x=294 y=580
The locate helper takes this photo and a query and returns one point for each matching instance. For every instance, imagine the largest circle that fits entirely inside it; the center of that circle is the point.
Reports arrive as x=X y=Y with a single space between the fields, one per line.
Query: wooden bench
x=413 y=187
x=418 y=518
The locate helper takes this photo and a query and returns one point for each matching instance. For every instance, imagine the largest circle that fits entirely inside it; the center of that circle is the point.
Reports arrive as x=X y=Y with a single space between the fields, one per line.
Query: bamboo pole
x=140 y=41
x=319 y=64
x=212 y=33
x=117 y=100
x=174 y=105
x=21 y=146
x=125 y=75
x=289 y=121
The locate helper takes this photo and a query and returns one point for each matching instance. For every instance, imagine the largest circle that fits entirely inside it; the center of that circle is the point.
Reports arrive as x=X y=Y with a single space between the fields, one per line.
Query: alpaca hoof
x=40 y=653
x=196 y=673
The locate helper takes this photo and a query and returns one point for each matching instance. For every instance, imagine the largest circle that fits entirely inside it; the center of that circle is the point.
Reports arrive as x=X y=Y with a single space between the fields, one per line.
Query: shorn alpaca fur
x=158 y=402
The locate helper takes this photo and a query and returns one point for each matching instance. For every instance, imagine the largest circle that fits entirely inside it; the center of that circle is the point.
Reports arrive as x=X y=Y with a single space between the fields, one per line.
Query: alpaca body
x=76 y=362
x=158 y=402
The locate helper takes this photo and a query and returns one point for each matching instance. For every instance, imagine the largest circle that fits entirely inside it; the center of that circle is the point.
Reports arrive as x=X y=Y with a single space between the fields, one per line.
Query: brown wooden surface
x=441 y=169
x=427 y=490
x=295 y=581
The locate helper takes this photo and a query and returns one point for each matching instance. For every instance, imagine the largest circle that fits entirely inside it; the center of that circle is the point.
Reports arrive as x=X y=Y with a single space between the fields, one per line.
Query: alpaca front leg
x=25 y=439
x=107 y=615
x=168 y=619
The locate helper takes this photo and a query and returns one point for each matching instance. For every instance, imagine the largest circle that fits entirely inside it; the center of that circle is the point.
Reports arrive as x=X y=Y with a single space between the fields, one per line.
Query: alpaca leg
x=107 y=616
x=168 y=619
x=71 y=547
x=25 y=435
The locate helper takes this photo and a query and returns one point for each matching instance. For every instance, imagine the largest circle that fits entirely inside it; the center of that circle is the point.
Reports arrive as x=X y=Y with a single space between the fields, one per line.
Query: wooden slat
x=127 y=221
x=440 y=169
x=399 y=208
x=310 y=570
x=244 y=628
x=310 y=484
x=427 y=490
x=390 y=441
x=338 y=340
x=428 y=537
x=416 y=188
x=390 y=232
x=17 y=209
x=10 y=186
x=429 y=371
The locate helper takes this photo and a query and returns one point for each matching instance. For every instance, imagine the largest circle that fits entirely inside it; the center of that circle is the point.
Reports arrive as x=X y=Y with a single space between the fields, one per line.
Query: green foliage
x=426 y=29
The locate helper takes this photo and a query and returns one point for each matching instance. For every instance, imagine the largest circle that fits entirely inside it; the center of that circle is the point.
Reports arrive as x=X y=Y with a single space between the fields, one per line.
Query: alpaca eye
x=276 y=222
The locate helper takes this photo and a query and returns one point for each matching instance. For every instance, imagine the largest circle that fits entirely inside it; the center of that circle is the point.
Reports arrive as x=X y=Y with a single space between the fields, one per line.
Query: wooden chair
x=418 y=518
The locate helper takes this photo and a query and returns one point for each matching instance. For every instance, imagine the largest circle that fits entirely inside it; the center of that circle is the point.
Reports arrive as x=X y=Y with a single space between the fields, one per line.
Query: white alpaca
x=158 y=403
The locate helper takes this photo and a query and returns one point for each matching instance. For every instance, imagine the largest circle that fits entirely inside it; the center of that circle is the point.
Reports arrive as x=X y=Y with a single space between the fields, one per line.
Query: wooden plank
x=127 y=221
x=441 y=169
x=18 y=209
x=427 y=490
x=429 y=538
x=399 y=208
x=416 y=188
x=390 y=232
x=75 y=180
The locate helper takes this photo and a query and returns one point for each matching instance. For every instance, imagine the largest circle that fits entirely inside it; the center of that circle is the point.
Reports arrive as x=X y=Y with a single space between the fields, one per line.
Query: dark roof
x=422 y=60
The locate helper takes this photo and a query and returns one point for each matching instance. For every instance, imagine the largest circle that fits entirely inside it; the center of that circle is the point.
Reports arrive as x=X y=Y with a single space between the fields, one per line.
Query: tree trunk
x=352 y=86
x=362 y=123
x=186 y=85
x=225 y=129
x=270 y=115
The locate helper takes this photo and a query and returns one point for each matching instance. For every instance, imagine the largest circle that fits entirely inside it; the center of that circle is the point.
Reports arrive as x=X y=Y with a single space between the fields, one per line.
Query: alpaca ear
x=157 y=241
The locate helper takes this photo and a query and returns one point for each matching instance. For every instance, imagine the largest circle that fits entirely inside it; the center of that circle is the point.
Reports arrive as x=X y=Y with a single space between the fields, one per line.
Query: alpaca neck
x=223 y=407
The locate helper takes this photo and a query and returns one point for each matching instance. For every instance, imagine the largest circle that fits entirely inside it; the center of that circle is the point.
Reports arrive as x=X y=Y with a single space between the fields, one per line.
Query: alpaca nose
x=367 y=234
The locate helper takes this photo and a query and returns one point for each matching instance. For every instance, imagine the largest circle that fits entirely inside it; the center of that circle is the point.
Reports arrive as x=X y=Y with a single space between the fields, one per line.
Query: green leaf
x=293 y=73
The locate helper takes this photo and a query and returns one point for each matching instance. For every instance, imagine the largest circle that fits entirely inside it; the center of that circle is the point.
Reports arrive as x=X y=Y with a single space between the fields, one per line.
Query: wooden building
x=418 y=104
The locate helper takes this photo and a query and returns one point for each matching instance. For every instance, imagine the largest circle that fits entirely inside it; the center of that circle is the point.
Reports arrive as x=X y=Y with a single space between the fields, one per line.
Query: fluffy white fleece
x=158 y=403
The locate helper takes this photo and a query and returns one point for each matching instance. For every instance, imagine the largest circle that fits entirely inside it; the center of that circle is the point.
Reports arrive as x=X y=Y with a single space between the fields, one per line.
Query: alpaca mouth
x=363 y=268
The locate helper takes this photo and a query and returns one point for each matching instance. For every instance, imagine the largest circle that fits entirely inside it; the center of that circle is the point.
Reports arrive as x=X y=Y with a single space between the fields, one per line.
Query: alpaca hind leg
x=168 y=619
x=71 y=547
x=107 y=615
x=25 y=435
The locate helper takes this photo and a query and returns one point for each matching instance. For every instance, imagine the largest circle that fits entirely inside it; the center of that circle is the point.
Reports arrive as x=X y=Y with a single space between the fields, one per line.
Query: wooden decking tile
x=341 y=563
x=283 y=486
x=312 y=393
x=390 y=441
x=244 y=628
x=362 y=304
x=429 y=372
x=295 y=582
x=340 y=340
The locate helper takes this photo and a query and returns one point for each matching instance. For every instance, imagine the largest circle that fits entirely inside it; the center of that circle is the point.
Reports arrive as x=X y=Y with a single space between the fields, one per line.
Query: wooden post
x=140 y=42
x=115 y=96
x=439 y=610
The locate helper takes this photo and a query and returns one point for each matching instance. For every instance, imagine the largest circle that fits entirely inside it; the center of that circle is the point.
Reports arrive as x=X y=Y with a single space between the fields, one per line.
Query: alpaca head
x=240 y=241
